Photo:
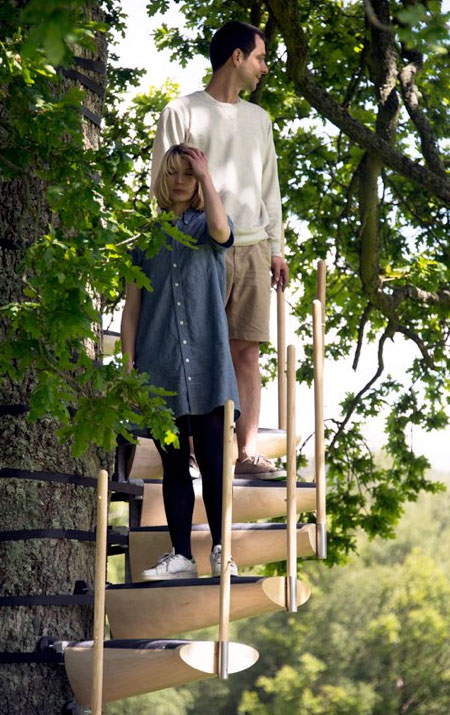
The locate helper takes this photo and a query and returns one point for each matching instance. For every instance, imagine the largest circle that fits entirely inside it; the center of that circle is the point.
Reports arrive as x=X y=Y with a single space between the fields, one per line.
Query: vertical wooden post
x=319 y=441
x=291 y=485
x=99 y=597
x=281 y=351
x=225 y=573
x=321 y=294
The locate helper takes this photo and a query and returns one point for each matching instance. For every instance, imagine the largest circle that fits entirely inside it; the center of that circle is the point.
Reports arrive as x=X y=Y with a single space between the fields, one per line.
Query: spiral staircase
x=145 y=652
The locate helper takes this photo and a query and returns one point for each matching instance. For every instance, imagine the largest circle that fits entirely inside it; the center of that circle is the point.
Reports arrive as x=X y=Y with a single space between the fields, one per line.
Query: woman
x=178 y=335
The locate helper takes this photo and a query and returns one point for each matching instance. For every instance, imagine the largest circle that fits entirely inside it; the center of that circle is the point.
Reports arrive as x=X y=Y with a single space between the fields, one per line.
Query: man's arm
x=272 y=202
x=170 y=131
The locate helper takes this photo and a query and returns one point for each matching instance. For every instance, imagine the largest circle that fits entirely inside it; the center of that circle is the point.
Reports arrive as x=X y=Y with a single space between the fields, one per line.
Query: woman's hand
x=198 y=162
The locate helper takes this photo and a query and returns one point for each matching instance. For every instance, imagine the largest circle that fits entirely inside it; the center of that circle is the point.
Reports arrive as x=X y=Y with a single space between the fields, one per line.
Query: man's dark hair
x=229 y=37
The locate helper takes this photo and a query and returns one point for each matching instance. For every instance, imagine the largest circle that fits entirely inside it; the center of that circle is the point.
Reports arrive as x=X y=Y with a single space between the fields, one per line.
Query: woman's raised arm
x=216 y=217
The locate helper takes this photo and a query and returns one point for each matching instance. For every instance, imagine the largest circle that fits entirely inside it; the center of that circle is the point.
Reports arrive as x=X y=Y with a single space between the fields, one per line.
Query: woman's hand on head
x=198 y=162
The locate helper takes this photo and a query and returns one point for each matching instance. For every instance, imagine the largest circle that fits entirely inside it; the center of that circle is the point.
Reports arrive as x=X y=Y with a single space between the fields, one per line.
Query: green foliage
x=42 y=35
x=384 y=634
x=99 y=209
x=291 y=692
x=163 y=702
x=424 y=26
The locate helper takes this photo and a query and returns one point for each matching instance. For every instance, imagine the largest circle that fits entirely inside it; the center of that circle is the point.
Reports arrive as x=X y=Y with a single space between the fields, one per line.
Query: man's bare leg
x=245 y=356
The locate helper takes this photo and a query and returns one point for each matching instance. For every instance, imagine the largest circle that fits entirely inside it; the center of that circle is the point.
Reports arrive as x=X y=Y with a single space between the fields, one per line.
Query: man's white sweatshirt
x=238 y=142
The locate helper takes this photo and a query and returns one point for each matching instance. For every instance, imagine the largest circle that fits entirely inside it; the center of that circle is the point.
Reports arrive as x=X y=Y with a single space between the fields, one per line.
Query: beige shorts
x=247 y=301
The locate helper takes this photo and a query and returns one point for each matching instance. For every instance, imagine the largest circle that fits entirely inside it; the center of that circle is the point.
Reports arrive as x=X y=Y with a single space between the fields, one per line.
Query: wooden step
x=146 y=462
x=251 y=544
x=133 y=667
x=167 y=608
x=252 y=500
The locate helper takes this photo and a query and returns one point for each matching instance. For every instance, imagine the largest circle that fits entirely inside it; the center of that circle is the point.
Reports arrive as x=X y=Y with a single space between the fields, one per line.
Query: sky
x=138 y=50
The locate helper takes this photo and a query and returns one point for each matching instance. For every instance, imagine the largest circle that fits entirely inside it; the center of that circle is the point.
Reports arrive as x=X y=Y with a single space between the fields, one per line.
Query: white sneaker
x=215 y=559
x=171 y=566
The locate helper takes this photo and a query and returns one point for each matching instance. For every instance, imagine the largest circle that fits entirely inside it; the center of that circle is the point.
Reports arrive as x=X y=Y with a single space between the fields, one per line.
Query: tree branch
x=362 y=325
x=367 y=139
x=420 y=344
x=384 y=71
x=419 y=218
x=411 y=100
x=440 y=297
x=383 y=66
x=285 y=13
x=270 y=35
x=355 y=80
x=373 y=18
x=388 y=333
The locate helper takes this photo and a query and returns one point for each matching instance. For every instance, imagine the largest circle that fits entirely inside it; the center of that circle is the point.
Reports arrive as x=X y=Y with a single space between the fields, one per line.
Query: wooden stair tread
x=251 y=544
x=191 y=604
x=147 y=462
x=132 y=667
x=252 y=500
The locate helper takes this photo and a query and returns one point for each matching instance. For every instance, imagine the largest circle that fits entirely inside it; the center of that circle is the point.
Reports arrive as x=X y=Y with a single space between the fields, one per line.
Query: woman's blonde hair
x=172 y=160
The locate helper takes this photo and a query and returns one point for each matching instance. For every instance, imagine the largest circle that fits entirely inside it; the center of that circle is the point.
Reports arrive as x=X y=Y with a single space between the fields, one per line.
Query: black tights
x=178 y=493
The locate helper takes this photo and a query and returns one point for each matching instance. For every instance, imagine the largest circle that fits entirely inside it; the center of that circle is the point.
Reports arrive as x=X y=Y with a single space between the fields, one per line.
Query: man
x=237 y=138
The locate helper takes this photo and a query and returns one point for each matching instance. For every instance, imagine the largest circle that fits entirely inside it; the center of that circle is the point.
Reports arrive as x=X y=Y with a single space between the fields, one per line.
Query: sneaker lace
x=261 y=459
x=165 y=557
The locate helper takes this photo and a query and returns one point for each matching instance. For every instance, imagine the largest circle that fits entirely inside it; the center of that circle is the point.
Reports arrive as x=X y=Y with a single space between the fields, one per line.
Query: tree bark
x=39 y=566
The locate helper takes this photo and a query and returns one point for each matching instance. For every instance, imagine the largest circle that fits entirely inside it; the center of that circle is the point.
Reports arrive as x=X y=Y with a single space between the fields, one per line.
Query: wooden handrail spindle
x=99 y=599
x=225 y=574
x=319 y=438
x=281 y=351
x=291 y=484
x=321 y=295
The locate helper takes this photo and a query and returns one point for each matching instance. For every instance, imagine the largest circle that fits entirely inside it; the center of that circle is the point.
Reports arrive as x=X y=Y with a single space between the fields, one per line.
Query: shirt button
x=177 y=285
x=174 y=265
x=178 y=302
x=189 y=378
x=184 y=342
x=187 y=360
x=181 y=322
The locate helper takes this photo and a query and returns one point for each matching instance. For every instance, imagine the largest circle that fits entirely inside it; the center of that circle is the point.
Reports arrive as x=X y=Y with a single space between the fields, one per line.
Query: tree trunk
x=39 y=566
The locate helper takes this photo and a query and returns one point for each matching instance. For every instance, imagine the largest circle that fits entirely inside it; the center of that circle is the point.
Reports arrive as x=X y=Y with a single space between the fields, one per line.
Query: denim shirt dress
x=182 y=338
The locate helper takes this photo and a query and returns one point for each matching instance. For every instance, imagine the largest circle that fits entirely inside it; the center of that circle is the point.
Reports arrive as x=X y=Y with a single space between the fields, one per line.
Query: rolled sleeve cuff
x=230 y=241
x=275 y=247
